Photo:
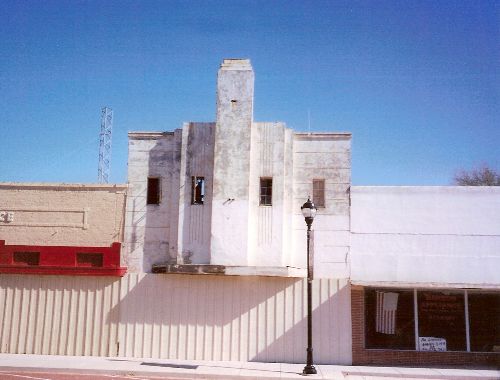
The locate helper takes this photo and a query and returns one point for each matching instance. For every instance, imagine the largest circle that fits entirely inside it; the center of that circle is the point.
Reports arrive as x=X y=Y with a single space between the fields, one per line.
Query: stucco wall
x=235 y=86
x=440 y=235
x=323 y=156
x=62 y=214
x=151 y=231
x=231 y=228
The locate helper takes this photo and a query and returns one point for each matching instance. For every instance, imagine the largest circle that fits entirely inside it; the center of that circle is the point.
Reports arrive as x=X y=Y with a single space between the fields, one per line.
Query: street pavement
x=52 y=367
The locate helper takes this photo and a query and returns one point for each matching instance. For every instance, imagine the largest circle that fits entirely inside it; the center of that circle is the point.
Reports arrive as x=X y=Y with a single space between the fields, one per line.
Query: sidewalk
x=224 y=370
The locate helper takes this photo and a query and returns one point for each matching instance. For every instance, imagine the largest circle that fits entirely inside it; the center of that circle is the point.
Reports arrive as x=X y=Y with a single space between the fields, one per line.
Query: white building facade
x=425 y=275
x=229 y=192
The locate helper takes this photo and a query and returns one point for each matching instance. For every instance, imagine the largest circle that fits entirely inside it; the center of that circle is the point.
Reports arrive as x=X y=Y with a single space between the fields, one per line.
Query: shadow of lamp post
x=309 y=211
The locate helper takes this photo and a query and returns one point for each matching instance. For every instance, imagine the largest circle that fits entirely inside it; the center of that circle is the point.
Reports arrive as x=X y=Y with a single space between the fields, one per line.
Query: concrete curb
x=180 y=369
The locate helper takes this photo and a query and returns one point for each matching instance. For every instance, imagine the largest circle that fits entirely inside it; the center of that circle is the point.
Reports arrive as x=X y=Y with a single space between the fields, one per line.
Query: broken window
x=198 y=190
x=266 y=192
x=319 y=192
x=153 y=197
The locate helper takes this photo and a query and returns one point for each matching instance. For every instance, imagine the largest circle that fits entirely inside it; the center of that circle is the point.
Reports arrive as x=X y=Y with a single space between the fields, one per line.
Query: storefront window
x=441 y=321
x=442 y=316
x=389 y=319
x=484 y=321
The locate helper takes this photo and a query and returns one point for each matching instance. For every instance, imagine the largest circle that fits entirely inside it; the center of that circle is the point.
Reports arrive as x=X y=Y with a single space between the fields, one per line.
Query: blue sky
x=417 y=83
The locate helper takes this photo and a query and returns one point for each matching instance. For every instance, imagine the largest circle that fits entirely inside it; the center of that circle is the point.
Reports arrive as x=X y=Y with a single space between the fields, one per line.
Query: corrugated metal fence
x=174 y=316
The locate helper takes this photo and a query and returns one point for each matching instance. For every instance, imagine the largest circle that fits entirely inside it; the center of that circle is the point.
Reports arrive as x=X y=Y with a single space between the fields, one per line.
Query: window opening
x=319 y=192
x=389 y=319
x=153 y=196
x=84 y=259
x=441 y=316
x=266 y=191
x=27 y=258
x=198 y=190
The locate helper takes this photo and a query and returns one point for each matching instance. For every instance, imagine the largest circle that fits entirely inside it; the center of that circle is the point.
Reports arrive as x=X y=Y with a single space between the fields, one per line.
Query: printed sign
x=429 y=343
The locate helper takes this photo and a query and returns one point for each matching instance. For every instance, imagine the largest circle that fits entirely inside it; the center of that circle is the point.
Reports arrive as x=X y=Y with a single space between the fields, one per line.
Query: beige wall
x=197 y=317
x=59 y=315
x=61 y=214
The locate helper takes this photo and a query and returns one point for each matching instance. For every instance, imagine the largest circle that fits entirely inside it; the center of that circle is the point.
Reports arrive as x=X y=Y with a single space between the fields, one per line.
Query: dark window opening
x=89 y=259
x=266 y=192
x=441 y=315
x=389 y=319
x=484 y=322
x=153 y=197
x=27 y=258
x=198 y=190
x=319 y=192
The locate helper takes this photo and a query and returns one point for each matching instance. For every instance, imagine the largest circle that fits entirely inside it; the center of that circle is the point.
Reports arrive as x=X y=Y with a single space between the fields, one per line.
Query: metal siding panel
x=56 y=315
x=175 y=316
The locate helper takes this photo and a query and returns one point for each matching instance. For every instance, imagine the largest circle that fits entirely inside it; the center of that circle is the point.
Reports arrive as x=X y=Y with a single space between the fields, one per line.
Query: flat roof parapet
x=149 y=135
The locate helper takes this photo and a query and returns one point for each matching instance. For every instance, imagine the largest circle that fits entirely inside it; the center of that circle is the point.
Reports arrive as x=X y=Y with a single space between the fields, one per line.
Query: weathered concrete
x=231 y=228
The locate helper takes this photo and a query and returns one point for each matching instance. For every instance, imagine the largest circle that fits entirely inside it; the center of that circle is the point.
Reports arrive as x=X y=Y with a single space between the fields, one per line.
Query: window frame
x=195 y=182
x=266 y=199
x=321 y=204
x=466 y=294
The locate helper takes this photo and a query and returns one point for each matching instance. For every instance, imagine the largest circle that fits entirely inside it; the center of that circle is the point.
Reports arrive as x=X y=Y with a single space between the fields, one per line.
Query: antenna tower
x=105 y=145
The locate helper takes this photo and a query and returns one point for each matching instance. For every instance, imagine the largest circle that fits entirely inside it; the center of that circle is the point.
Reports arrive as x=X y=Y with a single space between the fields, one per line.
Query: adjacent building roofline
x=149 y=134
x=322 y=135
x=61 y=185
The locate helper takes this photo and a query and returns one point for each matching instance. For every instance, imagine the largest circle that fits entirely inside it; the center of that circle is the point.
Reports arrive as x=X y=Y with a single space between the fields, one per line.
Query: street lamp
x=309 y=211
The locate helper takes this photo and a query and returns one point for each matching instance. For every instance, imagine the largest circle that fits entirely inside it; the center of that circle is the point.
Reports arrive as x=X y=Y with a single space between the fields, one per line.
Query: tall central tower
x=230 y=207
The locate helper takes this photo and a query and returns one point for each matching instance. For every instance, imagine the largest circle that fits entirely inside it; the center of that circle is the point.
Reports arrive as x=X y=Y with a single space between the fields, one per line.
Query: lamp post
x=309 y=211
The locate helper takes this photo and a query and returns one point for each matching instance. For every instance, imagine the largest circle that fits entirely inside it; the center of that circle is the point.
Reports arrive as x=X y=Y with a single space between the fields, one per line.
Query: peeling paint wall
x=268 y=227
x=233 y=154
x=151 y=230
x=197 y=159
x=328 y=157
x=230 y=208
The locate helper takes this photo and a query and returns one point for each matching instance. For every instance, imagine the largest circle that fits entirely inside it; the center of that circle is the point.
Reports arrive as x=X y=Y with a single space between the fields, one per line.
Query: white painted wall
x=233 y=153
x=151 y=231
x=440 y=235
x=197 y=159
x=323 y=156
x=230 y=203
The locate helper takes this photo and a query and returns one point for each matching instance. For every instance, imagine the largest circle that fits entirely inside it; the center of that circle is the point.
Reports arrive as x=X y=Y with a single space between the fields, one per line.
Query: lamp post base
x=309 y=370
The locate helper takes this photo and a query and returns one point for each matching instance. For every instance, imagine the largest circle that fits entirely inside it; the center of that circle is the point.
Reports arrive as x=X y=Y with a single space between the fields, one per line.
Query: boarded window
x=266 y=192
x=153 y=191
x=198 y=190
x=26 y=258
x=84 y=259
x=319 y=192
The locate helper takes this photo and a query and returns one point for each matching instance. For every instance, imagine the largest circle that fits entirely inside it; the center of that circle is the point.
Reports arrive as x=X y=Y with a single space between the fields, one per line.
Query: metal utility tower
x=105 y=145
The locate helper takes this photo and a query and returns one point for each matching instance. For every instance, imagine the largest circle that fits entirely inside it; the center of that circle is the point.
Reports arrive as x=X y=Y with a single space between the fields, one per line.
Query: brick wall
x=363 y=356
